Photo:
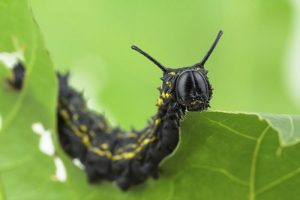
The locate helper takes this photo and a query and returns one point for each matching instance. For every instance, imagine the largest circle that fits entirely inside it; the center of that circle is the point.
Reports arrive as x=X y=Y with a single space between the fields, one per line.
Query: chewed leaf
x=22 y=166
x=238 y=154
x=11 y=59
x=78 y=164
x=60 y=173
x=288 y=127
x=46 y=144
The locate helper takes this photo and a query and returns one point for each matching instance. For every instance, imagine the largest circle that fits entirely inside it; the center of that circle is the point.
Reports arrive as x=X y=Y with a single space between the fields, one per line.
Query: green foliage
x=240 y=156
x=247 y=69
x=221 y=155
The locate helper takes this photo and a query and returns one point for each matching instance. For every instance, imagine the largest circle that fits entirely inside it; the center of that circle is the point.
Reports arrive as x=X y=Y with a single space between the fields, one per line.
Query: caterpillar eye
x=192 y=90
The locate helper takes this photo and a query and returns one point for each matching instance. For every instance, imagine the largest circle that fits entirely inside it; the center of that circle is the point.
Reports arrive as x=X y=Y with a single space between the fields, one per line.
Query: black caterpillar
x=128 y=158
x=17 y=79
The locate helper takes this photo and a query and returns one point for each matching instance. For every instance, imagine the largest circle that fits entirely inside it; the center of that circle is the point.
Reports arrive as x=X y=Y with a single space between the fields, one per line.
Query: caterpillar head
x=190 y=85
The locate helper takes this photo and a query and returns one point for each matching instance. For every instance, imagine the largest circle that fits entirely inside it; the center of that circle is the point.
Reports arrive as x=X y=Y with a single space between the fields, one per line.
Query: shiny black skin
x=193 y=89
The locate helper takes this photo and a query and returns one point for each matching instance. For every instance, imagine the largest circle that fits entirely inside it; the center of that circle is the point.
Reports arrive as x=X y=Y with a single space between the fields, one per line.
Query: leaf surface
x=221 y=155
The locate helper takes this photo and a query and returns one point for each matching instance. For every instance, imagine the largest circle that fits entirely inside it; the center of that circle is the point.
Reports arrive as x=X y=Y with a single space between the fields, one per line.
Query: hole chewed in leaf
x=11 y=59
x=46 y=146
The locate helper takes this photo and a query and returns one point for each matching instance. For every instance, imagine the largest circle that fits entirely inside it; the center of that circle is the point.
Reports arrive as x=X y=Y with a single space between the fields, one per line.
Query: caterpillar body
x=16 y=81
x=129 y=158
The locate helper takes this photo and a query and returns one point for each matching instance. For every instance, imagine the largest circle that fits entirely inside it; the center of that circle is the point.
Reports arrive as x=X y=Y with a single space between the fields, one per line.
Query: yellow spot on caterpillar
x=165 y=95
x=144 y=143
x=128 y=155
x=84 y=128
x=123 y=155
x=75 y=117
x=64 y=114
x=168 y=83
x=147 y=141
x=144 y=134
x=156 y=122
x=172 y=73
x=130 y=145
x=86 y=140
x=104 y=146
x=159 y=102
x=100 y=152
x=74 y=129
x=117 y=157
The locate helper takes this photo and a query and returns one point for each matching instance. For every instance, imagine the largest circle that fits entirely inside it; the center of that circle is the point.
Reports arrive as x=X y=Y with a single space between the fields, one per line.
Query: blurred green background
x=248 y=70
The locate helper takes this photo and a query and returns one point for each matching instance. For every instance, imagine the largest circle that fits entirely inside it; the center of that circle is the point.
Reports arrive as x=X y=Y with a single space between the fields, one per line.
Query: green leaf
x=288 y=127
x=24 y=170
x=239 y=156
x=1 y=192
x=249 y=68
x=221 y=155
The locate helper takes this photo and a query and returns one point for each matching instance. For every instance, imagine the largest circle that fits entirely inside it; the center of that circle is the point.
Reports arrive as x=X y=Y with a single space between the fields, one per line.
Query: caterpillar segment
x=128 y=158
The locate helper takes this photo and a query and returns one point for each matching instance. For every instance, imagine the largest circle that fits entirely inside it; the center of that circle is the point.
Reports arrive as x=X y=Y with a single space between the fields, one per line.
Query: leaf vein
x=254 y=164
x=278 y=181
x=225 y=173
x=231 y=129
x=292 y=127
